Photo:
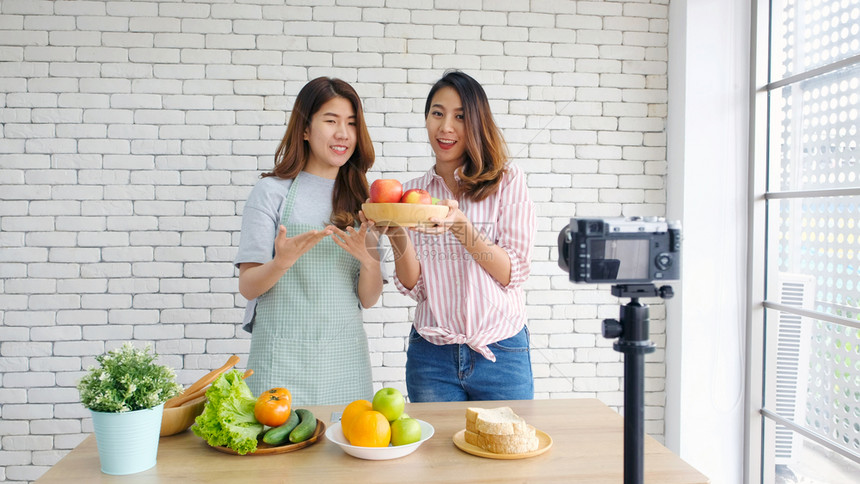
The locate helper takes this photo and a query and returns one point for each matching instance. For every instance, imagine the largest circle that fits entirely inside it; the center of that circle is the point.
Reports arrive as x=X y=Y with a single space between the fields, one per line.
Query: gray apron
x=308 y=330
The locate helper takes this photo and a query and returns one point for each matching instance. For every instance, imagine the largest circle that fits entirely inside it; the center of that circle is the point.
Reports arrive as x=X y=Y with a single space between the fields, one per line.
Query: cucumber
x=279 y=435
x=305 y=428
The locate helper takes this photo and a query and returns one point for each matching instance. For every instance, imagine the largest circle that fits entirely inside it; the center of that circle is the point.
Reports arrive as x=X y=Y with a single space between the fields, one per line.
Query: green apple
x=405 y=431
x=389 y=402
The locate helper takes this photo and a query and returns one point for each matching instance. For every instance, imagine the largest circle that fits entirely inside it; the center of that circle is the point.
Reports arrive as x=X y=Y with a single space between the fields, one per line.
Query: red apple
x=416 y=195
x=385 y=191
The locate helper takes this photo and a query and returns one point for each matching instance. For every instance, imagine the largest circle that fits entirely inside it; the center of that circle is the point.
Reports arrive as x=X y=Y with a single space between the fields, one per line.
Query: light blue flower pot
x=127 y=441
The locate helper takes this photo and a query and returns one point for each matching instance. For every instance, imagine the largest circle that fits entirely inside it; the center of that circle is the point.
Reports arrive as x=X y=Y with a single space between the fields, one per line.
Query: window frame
x=758 y=466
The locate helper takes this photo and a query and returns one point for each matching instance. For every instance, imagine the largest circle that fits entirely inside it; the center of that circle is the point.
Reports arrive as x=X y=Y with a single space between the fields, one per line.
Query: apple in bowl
x=405 y=430
x=386 y=190
x=389 y=402
x=417 y=195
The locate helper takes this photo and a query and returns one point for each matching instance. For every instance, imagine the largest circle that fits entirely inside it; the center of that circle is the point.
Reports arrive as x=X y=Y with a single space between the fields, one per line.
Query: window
x=807 y=320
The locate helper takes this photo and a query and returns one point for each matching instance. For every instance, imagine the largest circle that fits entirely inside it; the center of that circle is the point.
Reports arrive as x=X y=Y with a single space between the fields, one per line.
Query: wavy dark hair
x=486 y=154
x=350 y=186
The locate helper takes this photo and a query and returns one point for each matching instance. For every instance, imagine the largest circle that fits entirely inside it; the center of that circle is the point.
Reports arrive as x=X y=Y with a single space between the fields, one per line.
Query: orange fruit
x=350 y=412
x=370 y=429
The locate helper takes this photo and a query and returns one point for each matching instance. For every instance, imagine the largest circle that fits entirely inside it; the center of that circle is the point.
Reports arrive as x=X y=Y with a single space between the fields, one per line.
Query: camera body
x=620 y=250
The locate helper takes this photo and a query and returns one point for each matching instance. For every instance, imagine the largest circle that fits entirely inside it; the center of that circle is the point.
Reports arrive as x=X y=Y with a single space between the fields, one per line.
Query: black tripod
x=632 y=332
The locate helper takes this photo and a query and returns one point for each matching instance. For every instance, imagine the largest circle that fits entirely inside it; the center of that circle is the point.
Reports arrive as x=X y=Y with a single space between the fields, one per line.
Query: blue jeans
x=447 y=373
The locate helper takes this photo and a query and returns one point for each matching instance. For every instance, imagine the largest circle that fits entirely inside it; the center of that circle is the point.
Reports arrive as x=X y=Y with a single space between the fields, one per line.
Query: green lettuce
x=228 y=417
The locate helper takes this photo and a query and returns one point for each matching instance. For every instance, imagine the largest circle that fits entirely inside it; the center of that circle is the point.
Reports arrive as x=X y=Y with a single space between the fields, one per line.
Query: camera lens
x=564 y=239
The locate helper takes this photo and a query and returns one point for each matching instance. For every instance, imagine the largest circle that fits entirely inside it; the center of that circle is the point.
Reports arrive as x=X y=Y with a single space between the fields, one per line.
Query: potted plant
x=126 y=396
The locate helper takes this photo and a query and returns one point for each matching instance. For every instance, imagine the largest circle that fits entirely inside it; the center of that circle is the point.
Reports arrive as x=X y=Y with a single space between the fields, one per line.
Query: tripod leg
x=631 y=329
x=634 y=344
x=634 y=417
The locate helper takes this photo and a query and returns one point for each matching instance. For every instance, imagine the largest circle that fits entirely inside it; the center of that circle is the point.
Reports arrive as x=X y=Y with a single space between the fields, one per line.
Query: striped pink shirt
x=458 y=301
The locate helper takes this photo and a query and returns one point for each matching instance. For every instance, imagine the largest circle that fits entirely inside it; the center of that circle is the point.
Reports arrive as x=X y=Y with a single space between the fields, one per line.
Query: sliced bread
x=503 y=444
x=495 y=421
x=499 y=430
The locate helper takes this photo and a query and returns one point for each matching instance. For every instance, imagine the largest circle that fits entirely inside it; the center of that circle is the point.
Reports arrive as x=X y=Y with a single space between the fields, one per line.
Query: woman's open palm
x=355 y=241
x=289 y=249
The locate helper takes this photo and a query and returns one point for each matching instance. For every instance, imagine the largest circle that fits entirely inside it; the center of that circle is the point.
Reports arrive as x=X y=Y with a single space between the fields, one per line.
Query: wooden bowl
x=402 y=214
x=178 y=419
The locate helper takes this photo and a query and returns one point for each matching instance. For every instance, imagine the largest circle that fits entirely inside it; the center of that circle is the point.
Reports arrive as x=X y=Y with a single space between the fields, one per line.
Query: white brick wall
x=132 y=132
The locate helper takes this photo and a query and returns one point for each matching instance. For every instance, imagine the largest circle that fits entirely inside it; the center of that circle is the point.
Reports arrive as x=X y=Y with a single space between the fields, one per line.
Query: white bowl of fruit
x=379 y=430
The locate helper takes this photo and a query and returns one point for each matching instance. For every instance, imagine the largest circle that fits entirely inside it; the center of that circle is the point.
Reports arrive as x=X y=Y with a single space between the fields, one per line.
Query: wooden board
x=588 y=443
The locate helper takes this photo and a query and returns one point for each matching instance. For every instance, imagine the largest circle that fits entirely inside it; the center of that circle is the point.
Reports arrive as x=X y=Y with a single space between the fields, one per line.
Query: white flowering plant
x=127 y=380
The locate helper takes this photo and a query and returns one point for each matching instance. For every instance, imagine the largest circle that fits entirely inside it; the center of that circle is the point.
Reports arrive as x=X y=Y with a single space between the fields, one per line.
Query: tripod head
x=642 y=290
x=634 y=316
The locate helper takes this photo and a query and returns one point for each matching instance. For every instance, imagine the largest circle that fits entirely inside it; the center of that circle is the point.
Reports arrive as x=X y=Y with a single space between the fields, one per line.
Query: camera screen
x=619 y=259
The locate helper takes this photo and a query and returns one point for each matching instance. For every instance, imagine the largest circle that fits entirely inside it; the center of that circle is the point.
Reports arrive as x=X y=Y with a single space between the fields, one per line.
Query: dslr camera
x=620 y=250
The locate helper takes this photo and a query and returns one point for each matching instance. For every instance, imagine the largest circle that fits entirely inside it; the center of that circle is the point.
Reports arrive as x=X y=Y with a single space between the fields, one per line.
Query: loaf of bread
x=499 y=430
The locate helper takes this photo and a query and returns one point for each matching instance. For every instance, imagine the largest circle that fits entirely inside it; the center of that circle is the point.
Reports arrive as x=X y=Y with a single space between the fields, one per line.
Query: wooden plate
x=544 y=443
x=266 y=449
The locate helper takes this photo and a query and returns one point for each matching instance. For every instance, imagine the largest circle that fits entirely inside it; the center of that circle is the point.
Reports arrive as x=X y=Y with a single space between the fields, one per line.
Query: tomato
x=278 y=391
x=273 y=407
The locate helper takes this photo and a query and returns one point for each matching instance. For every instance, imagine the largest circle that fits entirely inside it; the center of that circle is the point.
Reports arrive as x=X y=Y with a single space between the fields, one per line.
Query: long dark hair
x=486 y=151
x=350 y=186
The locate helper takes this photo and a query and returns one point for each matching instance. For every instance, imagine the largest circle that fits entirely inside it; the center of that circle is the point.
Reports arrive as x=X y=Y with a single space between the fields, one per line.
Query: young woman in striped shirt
x=466 y=271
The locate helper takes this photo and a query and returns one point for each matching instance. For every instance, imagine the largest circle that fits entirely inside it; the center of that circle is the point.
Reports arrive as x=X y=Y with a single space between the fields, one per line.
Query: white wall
x=709 y=54
x=132 y=132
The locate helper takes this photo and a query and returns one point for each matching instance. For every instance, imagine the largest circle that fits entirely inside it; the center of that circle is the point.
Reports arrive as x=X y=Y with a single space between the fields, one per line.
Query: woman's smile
x=445 y=144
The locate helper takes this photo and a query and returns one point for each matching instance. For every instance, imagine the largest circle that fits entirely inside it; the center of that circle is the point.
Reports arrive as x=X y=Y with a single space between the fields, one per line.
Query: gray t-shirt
x=262 y=216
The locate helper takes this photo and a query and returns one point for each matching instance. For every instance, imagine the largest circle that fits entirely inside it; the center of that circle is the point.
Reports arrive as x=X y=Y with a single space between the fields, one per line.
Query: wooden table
x=587 y=447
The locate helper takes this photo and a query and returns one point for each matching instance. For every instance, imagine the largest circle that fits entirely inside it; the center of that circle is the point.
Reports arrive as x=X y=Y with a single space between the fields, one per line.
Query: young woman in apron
x=304 y=263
